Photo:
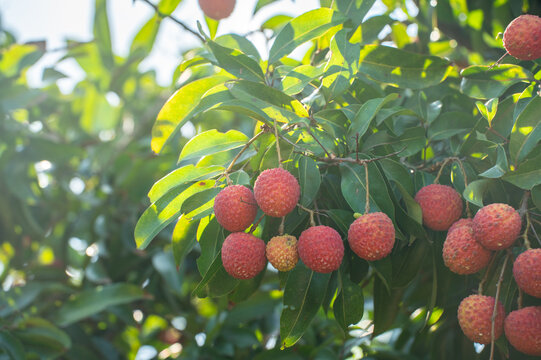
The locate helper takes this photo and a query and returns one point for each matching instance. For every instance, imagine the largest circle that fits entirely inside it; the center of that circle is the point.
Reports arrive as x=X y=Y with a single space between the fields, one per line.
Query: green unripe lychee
x=282 y=252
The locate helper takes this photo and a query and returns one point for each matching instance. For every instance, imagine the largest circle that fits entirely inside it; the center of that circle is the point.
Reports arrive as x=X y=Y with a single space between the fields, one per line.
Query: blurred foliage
x=76 y=167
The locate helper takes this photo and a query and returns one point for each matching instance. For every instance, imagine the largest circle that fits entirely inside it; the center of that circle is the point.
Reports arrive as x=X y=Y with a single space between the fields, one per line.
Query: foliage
x=77 y=167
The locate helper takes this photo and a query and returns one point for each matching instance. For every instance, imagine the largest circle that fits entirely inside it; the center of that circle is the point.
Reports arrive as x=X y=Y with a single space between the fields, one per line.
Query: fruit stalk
x=494 y=312
x=254 y=138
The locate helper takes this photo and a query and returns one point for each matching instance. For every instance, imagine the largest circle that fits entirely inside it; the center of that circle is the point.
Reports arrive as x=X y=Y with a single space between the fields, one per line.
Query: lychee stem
x=498 y=62
x=311 y=212
x=254 y=225
x=494 y=311
x=277 y=138
x=445 y=162
x=463 y=171
x=246 y=146
x=525 y=234
x=367 y=204
x=519 y=300
x=485 y=277
x=282 y=226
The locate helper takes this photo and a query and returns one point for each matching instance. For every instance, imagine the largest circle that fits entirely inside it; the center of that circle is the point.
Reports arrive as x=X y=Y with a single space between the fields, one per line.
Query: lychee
x=523 y=330
x=475 y=318
x=496 y=226
x=276 y=192
x=243 y=255
x=371 y=236
x=462 y=254
x=522 y=37
x=235 y=208
x=282 y=252
x=321 y=248
x=441 y=206
x=527 y=272
x=217 y=9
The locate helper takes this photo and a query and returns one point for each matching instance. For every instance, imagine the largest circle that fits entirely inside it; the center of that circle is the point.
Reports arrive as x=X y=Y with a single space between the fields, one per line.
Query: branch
x=338 y=160
x=177 y=21
x=494 y=311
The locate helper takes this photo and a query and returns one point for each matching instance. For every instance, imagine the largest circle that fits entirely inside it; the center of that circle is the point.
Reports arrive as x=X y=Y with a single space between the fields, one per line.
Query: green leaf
x=102 y=34
x=402 y=68
x=211 y=142
x=11 y=345
x=353 y=186
x=234 y=41
x=450 y=123
x=386 y=306
x=167 y=7
x=179 y=107
x=98 y=114
x=527 y=175
x=482 y=82
x=342 y=65
x=536 y=196
x=163 y=211
x=301 y=29
x=210 y=241
x=309 y=180
x=297 y=79
x=260 y=4
x=182 y=176
x=236 y=63
x=40 y=334
x=411 y=141
x=366 y=114
x=372 y=27
x=217 y=281
x=488 y=110
x=475 y=191
x=408 y=262
x=184 y=238
x=384 y=270
x=198 y=200
x=303 y=295
x=348 y=306
x=355 y=10
x=276 y=22
x=500 y=167
x=526 y=132
x=144 y=40
x=92 y=301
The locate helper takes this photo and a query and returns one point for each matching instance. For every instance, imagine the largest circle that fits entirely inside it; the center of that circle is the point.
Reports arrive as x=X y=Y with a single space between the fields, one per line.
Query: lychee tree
x=408 y=169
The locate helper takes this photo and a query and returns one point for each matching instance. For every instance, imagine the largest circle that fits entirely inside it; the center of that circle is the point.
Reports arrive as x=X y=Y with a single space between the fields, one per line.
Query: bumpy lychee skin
x=496 y=226
x=243 y=255
x=522 y=37
x=441 y=206
x=462 y=254
x=371 y=236
x=217 y=9
x=235 y=208
x=282 y=252
x=321 y=248
x=276 y=192
x=460 y=223
x=523 y=330
x=474 y=318
x=527 y=272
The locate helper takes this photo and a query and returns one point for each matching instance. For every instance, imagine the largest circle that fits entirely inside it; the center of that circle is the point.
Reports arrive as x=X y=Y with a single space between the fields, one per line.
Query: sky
x=58 y=20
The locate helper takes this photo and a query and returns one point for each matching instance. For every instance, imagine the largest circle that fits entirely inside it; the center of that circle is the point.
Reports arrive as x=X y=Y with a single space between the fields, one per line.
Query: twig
x=254 y=225
x=307 y=127
x=277 y=138
x=524 y=204
x=177 y=21
x=311 y=212
x=485 y=277
x=497 y=62
x=494 y=311
x=463 y=170
x=338 y=160
x=367 y=204
x=317 y=212
x=525 y=234
x=282 y=226
x=519 y=301
x=246 y=146
x=445 y=162
x=535 y=233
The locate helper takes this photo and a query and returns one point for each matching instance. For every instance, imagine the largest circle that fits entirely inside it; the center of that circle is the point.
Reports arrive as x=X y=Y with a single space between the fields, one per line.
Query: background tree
x=77 y=168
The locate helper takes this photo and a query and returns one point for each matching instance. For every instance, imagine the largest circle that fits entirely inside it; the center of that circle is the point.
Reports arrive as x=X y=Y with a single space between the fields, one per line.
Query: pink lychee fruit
x=527 y=272
x=523 y=330
x=371 y=236
x=496 y=226
x=321 y=248
x=276 y=192
x=243 y=255
x=475 y=318
x=441 y=206
x=235 y=208
x=522 y=37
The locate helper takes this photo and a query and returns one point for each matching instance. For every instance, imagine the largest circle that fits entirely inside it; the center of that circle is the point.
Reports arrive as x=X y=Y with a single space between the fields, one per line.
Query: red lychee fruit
x=441 y=206
x=460 y=223
x=371 y=236
x=276 y=192
x=475 y=318
x=462 y=254
x=235 y=208
x=496 y=226
x=243 y=255
x=522 y=37
x=282 y=252
x=527 y=272
x=523 y=330
x=321 y=248
x=217 y=9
